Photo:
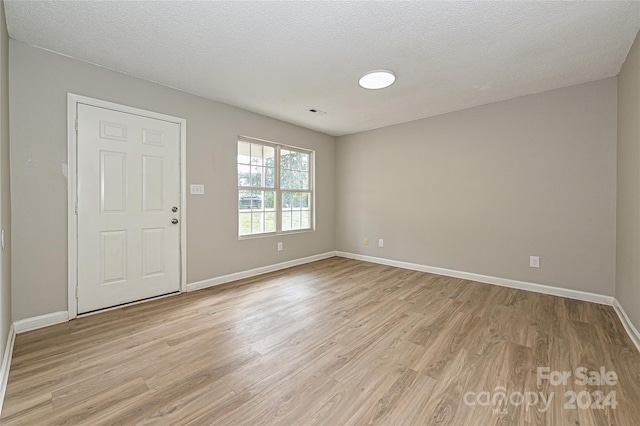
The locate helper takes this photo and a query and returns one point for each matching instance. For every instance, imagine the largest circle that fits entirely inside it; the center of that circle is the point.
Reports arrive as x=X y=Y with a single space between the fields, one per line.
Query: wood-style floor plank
x=335 y=342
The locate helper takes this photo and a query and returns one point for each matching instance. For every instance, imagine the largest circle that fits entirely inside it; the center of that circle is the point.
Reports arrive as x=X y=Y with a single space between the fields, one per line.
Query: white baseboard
x=504 y=282
x=632 y=331
x=41 y=321
x=257 y=271
x=6 y=363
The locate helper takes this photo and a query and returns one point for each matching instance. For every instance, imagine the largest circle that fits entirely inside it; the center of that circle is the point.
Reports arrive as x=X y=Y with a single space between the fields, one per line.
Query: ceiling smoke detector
x=378 y=79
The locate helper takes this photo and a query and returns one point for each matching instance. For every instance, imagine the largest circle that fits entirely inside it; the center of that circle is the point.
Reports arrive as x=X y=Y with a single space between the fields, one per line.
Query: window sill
x=275 y=234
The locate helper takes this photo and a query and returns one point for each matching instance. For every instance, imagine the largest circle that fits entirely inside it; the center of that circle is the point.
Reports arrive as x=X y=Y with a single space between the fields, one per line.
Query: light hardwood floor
x=333 y=342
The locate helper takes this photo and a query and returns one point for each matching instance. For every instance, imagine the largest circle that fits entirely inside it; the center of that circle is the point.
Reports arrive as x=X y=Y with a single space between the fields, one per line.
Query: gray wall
x=628 y=209
x=5 y=198
x=480 y=190
x=39 y=84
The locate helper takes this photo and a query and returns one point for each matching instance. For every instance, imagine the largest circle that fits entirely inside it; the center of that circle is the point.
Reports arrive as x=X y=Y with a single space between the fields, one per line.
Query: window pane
x=256 y=175
x=256 y=200
x=298 y=161
x=304 y=162
x=296 y=200
x=302 y=180
x=286 y=179
x=286 y=200
x=244 y=152
x=250 y=200
x=295 y=220
x=243 y=196
x=298 y=164
x=296 y=212
x=256 y=154
x=286 y=220
x=300 y=200
x=257 y=222
x=244 y=175
x=290 y=179
x=269 y=200
x=270 y=222
x=244 y=223
x=306 y=200
x=269 y=154
x=284 y=159
x=270 y=177
x=257 y=213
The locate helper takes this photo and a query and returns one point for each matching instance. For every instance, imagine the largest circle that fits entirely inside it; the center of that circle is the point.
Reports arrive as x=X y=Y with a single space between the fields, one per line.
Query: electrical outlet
x=279 y=246
x=380 y=242
x=196 y=189
x=366 y=241
x=534 y=261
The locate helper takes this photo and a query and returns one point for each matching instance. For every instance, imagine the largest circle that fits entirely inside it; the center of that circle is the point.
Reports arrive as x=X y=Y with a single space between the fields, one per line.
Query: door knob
x=174 y=220
x=174 y=209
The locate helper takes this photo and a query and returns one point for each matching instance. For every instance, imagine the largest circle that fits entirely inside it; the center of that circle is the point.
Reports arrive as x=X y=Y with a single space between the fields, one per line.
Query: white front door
x=128 y=189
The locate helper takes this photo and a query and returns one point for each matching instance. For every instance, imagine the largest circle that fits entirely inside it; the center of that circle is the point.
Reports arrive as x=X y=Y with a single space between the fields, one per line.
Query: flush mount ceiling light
x=378 y=79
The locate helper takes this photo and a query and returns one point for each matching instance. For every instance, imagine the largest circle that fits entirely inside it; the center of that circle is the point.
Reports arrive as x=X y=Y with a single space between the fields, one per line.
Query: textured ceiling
x=282 y=58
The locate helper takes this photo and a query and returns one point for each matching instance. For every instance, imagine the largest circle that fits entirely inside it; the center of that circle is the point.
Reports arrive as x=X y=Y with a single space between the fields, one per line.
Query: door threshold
x=124 y=305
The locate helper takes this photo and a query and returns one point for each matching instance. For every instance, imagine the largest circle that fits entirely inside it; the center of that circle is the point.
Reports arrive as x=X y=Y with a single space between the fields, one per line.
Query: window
x=275 y=188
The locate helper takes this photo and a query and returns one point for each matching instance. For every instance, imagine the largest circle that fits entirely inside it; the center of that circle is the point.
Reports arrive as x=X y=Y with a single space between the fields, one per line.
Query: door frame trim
x=72 y=188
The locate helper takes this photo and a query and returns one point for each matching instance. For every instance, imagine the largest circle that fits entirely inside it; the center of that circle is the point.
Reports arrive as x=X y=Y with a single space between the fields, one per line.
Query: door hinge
x=76 y=208
x=76 y=290
x=76 y=124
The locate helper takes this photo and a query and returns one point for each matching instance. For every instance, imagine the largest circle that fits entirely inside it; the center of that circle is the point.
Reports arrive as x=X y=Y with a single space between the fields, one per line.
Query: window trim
x=277 y=189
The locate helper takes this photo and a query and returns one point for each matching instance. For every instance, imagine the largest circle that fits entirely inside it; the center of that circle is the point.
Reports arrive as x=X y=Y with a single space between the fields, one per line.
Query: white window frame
x=277 y=190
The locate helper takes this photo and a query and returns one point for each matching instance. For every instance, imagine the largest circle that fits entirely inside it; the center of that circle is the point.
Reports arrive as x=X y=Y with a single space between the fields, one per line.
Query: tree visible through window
x=274 y=188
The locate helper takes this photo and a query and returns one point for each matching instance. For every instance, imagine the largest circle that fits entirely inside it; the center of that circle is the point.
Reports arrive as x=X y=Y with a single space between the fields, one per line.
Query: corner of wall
x=631 y=330
x=6 y=363
x=627 y=277
x=5 y=199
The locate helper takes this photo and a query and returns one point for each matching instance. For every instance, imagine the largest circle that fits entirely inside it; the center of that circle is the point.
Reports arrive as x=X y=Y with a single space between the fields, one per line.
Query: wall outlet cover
x=196 y=189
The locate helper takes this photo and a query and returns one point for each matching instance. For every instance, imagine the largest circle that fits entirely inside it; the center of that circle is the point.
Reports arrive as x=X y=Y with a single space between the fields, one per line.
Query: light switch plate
x=196 y=189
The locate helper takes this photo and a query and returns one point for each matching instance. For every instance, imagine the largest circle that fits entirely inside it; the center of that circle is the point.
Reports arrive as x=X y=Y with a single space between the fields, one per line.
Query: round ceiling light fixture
x=378 y=79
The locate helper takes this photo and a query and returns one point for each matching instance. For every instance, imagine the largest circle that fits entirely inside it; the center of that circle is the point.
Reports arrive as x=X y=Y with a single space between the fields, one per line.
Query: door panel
x=152 y=184
x=113 y=180
x=113 y=256
x=128 y=181
x=152 y=137
x=113 y=131
x=152 y=252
